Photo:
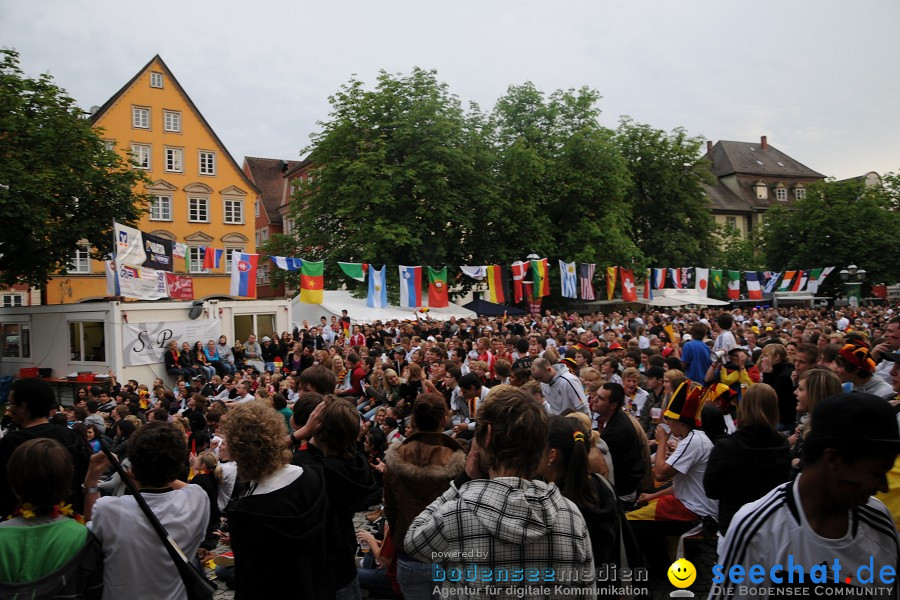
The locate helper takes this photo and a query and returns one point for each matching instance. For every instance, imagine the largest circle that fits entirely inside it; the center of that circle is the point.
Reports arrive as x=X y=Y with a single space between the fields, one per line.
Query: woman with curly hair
x=282 y=513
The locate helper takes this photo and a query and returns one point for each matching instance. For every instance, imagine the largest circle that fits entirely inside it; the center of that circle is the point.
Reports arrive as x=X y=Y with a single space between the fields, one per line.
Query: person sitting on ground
x=45 y=549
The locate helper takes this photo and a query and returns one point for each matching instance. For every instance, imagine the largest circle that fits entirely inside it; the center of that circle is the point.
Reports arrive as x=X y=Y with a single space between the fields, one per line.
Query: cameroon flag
x=311 y=282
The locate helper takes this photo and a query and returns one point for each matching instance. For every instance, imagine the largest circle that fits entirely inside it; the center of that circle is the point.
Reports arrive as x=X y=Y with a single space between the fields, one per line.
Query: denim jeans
x=415 y=579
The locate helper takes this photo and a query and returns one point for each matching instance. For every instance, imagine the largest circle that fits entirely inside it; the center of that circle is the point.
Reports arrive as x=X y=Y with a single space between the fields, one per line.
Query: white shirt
x=130 y=545
x=724 y=341
x=690 y=459
x=229 y=476
x=638 y=401
x=767 y=531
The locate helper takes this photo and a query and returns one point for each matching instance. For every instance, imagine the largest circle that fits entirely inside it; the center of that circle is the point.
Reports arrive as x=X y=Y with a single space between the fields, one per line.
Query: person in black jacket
x=172 y=362
x=348 y=482
x=776 y=372
x=754 y=459
x=620 y=435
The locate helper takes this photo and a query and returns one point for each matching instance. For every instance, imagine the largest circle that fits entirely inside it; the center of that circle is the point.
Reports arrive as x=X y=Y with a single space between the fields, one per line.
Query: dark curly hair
x=158 y=453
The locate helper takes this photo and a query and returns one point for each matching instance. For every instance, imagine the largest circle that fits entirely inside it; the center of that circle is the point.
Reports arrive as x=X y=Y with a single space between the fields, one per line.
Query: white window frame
x=156 y=79
x=194 y=216
x=12 y=301
x=262 y=274
x=264 y=234
x=799 y=193
x=81 y=348
x=140 y=117
x=257 y=239
x=141 y=154
x=256 y=208
x=162 y=205
x=80 y=264
x=231 y=208
x=174 y=159
x=196 y=266
x=110 y=145
x=171 y=121
x=21 y=353
x=781 y=194
x=288 y=225
x=228 y=251
x=206 y=161
x=731 y=221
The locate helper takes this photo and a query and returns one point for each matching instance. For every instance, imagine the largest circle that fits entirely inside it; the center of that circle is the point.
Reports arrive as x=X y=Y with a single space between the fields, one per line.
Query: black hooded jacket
x=744 y=466
x=348 y=483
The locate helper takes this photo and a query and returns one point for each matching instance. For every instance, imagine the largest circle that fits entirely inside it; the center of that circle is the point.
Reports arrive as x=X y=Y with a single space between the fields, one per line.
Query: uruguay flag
x=243 y=274
x=410 y=286
x=377 y=297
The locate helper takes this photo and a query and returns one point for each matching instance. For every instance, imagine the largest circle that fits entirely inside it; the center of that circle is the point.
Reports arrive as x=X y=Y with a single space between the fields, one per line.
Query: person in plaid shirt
x=502 y=530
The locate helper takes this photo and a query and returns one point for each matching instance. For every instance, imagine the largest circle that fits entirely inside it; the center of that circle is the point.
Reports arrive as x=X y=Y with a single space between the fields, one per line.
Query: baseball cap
x=686 y=337
x=855 y=417
x=615 y=346
x=266 y=338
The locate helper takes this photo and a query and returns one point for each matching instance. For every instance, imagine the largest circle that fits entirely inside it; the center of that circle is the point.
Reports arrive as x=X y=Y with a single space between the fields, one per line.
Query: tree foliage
x=58 y=182
x=838 y=223
x=670 y=223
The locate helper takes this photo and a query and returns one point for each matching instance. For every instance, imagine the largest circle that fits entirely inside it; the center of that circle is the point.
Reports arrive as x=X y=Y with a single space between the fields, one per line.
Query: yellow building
x=199 y=195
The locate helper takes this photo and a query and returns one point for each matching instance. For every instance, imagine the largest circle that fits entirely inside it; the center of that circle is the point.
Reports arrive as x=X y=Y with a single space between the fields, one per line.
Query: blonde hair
x=758 y=406
x=631 y=372
x=589 y=374
x=255 y=437
x=820 y=383
x=210 y=462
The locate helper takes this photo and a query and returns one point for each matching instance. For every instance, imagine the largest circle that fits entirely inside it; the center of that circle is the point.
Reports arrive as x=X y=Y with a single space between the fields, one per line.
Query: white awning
x=333 y=302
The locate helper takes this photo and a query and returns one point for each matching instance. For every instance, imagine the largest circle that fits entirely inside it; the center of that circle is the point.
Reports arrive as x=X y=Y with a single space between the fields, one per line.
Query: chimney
x=763 y=143
x=709 y=145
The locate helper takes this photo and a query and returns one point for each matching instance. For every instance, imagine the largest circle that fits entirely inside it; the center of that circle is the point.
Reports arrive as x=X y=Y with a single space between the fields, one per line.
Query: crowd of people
x=555 y=445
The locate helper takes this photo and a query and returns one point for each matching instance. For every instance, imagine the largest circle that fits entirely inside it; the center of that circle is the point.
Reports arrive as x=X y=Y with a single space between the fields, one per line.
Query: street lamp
x=853 y=277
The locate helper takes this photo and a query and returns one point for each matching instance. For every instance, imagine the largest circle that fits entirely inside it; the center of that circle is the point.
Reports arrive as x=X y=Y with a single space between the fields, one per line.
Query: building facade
x=198 y=194
x=750 y=178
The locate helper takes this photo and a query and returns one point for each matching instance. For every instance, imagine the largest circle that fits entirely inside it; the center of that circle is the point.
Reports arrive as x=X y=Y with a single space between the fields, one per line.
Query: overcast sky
x=818 y=77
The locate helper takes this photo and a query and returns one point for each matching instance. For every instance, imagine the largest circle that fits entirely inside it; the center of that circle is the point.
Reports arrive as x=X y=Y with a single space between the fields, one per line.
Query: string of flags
x=143 y=268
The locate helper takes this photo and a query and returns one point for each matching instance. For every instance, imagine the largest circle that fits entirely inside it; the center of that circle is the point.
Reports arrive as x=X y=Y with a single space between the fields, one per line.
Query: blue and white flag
x=377 y=297
x=771 y=283
x=287 y=263
x=410 y=286
x=568 y=280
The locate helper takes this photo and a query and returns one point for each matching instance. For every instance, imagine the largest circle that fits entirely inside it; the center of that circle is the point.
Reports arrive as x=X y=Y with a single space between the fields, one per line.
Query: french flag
x=753 y=288
x=212 y=258
x=243 y=274
x=676 y=277
x=410 y=286
x=659 y=279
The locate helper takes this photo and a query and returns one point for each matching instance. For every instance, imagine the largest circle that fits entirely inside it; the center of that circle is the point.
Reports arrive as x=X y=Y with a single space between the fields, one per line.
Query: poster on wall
x=179 y=287
x=129 y=245
x=145 y=343
x=141 y=283
x=158 y=251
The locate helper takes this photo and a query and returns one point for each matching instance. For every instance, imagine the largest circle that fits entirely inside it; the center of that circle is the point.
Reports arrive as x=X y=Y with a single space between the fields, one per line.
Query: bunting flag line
x=518 y=276
x=212 y=258
x=611 y=282
x=437 y=288
x=659 y=279
x=648 y=285
x=825 y=273
x=715 y=280
x=800 y=281
x=701 y=284
x=771 y=280
x=243 y=274
x=754 y=292
x=476 y=273
x=179 y=250
x=355 y=271
x=567 y=280
x=685 y=277
x=787 y=281
x=287 y=263
x=540 y=270
x=629 y=290
x=312 y=281
x=586 y=278
x=495 y=284
x=410 y=286
x=734 y=285
x=377 y=297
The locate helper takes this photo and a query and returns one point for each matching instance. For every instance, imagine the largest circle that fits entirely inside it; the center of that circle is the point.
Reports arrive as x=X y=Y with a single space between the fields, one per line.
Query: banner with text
x=141 y=283
x=145 y=343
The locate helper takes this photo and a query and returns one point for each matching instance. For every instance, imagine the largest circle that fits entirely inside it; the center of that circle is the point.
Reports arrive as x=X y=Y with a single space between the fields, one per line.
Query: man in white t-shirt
x=826 y=519
x=130 y=545
x=725 y=339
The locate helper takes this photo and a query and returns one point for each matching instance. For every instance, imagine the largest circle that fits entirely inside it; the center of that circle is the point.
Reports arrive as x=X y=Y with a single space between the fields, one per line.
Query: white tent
x=676 y=297
x=333 y=302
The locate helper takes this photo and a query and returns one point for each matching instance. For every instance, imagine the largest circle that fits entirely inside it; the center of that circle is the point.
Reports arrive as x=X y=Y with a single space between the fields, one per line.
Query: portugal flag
x=311 y=282
x=437 y=288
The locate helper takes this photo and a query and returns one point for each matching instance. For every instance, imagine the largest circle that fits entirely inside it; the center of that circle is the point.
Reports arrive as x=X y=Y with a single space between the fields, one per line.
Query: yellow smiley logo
x=682 y=573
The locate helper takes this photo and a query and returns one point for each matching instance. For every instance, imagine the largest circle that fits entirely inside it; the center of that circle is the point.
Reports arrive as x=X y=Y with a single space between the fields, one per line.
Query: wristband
x=89 y=490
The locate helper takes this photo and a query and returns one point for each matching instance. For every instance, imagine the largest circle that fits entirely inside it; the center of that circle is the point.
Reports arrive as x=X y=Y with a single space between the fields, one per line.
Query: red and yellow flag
x=611 y=282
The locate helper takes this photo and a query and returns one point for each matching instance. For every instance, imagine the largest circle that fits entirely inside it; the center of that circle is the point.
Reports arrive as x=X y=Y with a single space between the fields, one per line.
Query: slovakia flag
x=243 y=274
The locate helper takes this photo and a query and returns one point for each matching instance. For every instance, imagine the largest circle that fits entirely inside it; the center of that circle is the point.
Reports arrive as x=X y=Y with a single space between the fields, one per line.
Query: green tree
x=58 y=182
x=838 y=223
x=404 y=174
x=735 y=251
x=671 y=222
